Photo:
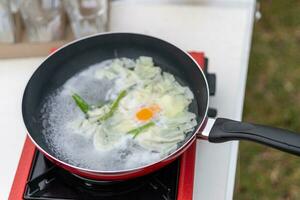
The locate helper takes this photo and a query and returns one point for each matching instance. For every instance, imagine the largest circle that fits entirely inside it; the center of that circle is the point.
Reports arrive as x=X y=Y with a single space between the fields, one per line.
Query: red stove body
x=185 y=177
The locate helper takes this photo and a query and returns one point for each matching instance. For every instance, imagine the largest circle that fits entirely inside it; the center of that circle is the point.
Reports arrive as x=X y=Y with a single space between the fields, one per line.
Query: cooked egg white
x=155 y=104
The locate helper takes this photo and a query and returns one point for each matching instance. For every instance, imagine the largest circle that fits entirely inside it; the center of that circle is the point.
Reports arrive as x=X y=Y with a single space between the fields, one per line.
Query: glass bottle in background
x=15 y=5
x=43 y=19
x=7 y=27
x=87 y=16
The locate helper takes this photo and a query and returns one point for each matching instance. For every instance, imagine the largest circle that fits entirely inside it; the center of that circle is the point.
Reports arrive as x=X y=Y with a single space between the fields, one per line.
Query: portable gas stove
x=37 y=178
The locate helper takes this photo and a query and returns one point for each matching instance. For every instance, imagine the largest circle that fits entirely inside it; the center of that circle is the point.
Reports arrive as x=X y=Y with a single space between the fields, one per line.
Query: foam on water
x=59 y=110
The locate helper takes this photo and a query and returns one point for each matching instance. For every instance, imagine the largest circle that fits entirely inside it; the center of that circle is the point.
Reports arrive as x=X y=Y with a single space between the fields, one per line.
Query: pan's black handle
x=225 y=130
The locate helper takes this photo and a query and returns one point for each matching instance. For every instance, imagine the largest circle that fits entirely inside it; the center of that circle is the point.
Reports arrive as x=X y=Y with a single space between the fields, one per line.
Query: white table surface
x=220 y=28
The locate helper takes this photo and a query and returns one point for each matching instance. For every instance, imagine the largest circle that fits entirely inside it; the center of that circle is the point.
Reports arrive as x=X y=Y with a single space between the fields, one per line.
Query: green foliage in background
x=273 y=98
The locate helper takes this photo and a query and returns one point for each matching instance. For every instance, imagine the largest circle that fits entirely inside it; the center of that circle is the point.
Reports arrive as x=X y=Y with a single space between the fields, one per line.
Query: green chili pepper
x=140 y=129
x=114 y=106
x=81 y=103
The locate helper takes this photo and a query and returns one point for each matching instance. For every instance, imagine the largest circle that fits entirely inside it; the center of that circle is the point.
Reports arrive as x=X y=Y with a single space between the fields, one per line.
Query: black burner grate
x=48 y=182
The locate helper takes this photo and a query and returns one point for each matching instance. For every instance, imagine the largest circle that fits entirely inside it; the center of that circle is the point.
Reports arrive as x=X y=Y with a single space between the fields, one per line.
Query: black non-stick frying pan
x=77 y=56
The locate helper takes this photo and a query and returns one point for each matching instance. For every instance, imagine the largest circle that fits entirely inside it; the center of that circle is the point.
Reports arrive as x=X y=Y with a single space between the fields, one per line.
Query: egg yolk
x=147 y=113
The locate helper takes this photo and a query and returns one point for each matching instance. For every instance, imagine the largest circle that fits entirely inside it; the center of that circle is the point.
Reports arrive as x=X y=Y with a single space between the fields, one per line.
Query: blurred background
x=36 y=27
x=44 y=24
x=272 y=97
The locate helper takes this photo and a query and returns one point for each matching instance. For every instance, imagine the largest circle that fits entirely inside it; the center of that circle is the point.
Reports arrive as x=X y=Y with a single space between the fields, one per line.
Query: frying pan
x=78 y=55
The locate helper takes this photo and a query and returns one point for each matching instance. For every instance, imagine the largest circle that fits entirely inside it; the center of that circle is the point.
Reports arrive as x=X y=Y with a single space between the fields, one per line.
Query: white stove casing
x=220 y=28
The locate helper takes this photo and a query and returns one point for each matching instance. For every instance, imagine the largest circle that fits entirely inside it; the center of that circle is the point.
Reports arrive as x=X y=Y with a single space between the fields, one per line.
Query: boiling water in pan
x=72 y=146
